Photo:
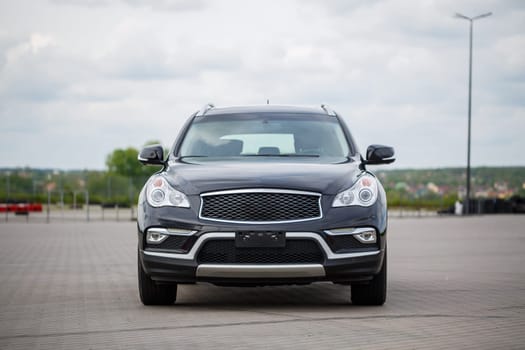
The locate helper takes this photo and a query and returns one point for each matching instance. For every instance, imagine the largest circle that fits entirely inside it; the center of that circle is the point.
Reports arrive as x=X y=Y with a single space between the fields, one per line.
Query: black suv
x=263 y=195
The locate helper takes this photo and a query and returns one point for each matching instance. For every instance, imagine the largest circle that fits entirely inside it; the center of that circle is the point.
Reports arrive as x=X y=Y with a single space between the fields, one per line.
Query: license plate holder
x=260 y=239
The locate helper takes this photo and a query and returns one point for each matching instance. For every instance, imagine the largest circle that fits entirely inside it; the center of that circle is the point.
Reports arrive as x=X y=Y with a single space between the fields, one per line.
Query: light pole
x=471 y=20
x=8 y=189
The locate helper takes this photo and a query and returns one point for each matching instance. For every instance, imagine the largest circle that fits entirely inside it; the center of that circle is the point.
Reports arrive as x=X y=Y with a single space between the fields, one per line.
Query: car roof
x=210 y=111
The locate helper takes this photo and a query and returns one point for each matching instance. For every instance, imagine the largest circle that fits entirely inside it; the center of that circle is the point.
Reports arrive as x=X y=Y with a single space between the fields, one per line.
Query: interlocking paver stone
x=454 y=282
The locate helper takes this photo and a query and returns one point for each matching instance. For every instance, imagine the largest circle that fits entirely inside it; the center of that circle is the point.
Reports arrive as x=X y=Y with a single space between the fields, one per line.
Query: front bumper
x=333 y=259
x=347 y=266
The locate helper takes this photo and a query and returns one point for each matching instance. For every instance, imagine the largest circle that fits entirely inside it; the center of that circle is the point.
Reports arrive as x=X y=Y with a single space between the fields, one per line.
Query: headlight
x=161 y=194
x=363 y=193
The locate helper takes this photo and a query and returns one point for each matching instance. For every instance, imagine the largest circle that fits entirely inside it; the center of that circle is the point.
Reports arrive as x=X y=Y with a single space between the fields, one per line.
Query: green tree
x=124 y=162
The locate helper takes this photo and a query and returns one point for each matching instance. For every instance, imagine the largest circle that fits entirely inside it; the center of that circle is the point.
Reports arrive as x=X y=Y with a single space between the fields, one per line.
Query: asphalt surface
x=453 y=283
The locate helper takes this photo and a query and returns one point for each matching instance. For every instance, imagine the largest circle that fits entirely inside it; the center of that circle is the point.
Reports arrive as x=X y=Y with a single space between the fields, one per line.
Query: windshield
x=265 y=135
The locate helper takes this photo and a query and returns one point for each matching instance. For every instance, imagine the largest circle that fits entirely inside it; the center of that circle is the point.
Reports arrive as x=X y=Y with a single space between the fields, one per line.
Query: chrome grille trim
x=261 y=190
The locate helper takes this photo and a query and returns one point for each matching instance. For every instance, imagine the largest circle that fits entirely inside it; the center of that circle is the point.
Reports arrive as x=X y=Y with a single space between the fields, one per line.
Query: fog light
x=367 y=236
x=155 y=237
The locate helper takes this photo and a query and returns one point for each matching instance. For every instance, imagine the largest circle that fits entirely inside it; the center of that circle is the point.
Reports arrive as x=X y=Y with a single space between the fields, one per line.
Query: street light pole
x=471 y=20
x=8 y=189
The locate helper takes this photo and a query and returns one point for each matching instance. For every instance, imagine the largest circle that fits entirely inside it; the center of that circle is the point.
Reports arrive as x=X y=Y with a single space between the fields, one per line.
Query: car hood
x=197 y=178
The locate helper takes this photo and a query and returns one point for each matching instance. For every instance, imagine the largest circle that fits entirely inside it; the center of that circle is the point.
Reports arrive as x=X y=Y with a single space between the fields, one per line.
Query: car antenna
x=267 y=101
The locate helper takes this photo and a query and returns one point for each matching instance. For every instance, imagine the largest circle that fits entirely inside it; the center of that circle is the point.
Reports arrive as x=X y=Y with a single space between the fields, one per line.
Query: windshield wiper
x=290 y=155
x=197 y=156
x=282 y=155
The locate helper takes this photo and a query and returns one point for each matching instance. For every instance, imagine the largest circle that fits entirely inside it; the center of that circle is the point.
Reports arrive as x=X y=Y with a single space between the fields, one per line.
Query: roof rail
x=205 y=109
x=328 y=110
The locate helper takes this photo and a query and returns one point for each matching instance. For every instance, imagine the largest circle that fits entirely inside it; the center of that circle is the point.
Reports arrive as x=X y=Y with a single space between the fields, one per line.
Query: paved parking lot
x=453 y=283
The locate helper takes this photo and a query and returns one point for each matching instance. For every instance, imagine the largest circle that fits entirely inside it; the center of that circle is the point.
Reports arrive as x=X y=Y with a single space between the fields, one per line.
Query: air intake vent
x=295 y=252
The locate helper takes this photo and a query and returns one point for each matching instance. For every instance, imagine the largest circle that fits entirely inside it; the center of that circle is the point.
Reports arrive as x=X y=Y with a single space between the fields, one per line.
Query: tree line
x=119 y=184
x=124 y=177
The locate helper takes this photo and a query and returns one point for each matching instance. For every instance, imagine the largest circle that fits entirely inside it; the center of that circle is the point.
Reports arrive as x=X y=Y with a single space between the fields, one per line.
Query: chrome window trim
x=260 y=190
x=231 y=235
x=260 y=271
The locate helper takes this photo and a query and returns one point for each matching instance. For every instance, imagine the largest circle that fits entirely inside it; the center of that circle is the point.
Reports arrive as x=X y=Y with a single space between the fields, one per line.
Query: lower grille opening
x=295 y=252
x=348 y=243
x=179 y=244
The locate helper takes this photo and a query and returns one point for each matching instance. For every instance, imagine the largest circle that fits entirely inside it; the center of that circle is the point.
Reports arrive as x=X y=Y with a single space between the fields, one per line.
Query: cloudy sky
x=79 y=78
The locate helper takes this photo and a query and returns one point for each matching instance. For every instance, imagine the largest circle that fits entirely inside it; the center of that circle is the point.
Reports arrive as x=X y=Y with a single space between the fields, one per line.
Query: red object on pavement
x=20 y=207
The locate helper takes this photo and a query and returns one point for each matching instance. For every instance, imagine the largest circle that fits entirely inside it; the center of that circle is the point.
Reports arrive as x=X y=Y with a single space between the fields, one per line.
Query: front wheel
x=373 y=293
x=152 y=293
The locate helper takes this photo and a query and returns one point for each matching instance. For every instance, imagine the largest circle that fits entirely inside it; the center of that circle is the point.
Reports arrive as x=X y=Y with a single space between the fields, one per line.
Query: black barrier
x=513 y=205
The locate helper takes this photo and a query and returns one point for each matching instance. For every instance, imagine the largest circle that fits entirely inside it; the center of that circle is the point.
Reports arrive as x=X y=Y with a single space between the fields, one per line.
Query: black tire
x=152 y=293
x=373 y=293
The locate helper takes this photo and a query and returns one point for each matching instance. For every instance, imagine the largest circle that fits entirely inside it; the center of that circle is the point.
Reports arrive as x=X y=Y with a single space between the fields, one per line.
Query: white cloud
x=169 y=5
x=80 y=78
x=85 y=3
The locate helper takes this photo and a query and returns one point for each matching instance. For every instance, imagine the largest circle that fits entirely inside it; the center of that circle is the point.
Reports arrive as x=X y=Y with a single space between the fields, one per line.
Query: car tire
x=152 y=293
x=373 y=293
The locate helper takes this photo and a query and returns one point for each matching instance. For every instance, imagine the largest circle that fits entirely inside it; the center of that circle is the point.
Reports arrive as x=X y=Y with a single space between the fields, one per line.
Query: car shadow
x=296 y=296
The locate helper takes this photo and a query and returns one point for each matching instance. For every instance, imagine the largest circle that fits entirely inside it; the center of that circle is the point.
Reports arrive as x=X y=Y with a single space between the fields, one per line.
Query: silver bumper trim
x=260 y=271
x=231 y=235
x=349 y=231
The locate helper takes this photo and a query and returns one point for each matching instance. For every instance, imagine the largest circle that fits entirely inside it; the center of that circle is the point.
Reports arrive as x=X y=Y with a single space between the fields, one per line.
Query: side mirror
x=379 y=154
x=152 y=155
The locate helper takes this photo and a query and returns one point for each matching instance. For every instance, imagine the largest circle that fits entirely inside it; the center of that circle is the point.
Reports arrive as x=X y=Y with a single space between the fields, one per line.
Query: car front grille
x=260 y=206
x=295 y=252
